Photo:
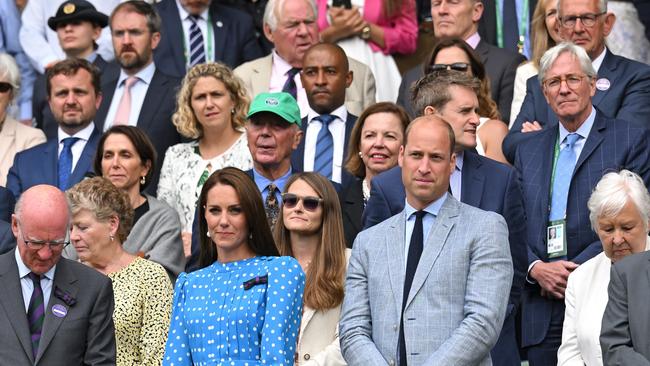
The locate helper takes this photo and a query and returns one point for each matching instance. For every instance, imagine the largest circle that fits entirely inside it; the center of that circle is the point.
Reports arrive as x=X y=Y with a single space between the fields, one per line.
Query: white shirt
x=202 y=22
x=138 y=92
x=456 y=179
x=279 y=71
x=337 y=129
x=27 y=285
x=599 y=60
x=427 y=222
x=78 y=147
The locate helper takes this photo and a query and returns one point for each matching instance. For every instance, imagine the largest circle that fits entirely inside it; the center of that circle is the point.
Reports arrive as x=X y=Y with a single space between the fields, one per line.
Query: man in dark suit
x=622 y=85
x=477 y=181
x=7 y=203
x=460 y=19
x=224 y=34
x=137 y=93
x=78 y=28
x=558 y=168
x=74 y=95
x=54 y=311
x=487 y=26
x=325 y=77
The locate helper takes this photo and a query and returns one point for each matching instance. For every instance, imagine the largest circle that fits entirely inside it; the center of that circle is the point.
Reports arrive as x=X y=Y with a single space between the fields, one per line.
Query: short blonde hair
x=184 y=118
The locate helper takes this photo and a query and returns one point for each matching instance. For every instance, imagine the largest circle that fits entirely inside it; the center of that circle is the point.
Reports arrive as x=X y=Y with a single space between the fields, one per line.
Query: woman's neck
x=304 y=248
x=111 y=260
x=135 y=197
x=216 y=141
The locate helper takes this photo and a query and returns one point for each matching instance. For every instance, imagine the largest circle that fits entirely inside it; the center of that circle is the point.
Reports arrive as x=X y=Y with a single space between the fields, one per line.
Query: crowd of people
x=265 y=183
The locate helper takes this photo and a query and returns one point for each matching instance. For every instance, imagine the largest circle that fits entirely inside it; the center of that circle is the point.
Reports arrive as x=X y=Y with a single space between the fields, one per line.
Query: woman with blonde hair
x=212 y=107
x=309 y=229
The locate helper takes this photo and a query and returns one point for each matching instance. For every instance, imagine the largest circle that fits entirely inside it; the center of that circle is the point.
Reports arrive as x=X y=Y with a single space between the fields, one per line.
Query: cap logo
x=271 y=102
x=69 y=8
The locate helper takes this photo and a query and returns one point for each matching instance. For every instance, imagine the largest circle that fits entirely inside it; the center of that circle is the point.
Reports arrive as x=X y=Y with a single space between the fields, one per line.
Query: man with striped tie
x=53 y=311
x=325 y=76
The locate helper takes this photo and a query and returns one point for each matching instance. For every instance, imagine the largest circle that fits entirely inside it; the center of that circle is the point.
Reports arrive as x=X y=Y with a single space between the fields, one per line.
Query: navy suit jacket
x=7 y=203
x=39 y=165
x=298 y=155
x=155 y=117
x=486 y=184
x=500 y=65
x=233 y=34
x=628 y=98
x=611 y=146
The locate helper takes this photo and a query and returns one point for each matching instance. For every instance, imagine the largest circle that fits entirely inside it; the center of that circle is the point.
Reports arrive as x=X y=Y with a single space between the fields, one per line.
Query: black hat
x=74 y=10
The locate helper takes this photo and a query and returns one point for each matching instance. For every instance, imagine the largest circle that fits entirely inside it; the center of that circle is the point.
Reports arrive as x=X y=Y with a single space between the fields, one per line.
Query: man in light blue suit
x=558 y=169
x=429 y=285
x=74 y=96
x=622 y=85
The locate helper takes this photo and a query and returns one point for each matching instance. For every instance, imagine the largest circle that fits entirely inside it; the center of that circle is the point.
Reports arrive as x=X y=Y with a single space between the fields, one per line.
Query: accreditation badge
x=556 y=239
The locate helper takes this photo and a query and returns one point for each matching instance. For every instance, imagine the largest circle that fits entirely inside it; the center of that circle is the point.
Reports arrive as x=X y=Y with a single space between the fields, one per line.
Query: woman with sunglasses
x=243 y=306
x=309 y=229
x=455 y=54
x=14 y=136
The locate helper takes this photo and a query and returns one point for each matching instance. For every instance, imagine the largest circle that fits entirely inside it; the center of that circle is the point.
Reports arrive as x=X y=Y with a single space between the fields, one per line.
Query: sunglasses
x=310 y=203
x=5 y=87
x=457 y=66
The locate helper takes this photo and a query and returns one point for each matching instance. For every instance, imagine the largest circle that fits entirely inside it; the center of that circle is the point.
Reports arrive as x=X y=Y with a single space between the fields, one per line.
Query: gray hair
x=613 y=192
x=9 y=71
x=553 y=53
x=602 y=6
x=273 y=7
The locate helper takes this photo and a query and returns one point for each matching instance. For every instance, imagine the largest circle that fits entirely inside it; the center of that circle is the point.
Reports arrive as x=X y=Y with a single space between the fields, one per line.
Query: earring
x=360 y=154
x=111 y=237
x=232 y=111
x=208 y=234
x=143 y=180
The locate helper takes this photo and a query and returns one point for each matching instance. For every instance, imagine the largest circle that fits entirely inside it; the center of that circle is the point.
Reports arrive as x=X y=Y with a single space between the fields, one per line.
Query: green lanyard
x=556 y=156
x=522 y=27
x=209 y=56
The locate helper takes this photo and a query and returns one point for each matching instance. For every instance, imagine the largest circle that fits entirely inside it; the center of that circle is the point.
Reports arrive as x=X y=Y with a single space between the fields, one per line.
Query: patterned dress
x=143 y=302
x=238 y=313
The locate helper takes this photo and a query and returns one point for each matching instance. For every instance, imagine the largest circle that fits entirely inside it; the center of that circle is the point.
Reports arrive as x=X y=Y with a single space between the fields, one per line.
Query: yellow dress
x=143 y=302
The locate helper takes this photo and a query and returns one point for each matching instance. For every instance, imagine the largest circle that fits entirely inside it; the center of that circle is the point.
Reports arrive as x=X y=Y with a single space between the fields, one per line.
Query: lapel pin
x=219 y=24
x=602 y=84
x=59 y=310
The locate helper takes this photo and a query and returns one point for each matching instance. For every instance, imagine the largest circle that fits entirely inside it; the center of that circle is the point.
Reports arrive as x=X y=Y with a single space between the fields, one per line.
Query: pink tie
x=124 y=108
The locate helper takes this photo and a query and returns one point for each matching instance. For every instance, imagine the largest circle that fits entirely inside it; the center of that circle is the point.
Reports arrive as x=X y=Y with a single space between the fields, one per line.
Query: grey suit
x=84 y=336
x=625 y=332
x=457 y=303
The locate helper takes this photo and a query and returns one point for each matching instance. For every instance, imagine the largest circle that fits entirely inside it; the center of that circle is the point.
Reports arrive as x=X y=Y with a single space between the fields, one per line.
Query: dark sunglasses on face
x=457 y=66
x=310 y=203
x=5 y=87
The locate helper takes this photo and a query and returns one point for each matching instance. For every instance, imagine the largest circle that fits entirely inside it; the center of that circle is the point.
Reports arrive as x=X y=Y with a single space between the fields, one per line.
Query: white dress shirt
x=27 y=285
x=138 y=92
x=202 y=22
x=337 y=129
x=78 y=147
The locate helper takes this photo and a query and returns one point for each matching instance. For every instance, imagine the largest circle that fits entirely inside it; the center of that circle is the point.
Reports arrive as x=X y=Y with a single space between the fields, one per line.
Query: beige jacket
x=15 y=137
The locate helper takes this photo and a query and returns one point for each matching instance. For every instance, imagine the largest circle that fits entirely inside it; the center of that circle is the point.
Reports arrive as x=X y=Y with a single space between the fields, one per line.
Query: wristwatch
x=365 y=33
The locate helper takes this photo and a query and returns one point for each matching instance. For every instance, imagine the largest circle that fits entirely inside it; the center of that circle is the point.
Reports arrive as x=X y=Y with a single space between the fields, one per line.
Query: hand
x=530 y=126
x=187 y=243
x=552 y=277
x=346 y=22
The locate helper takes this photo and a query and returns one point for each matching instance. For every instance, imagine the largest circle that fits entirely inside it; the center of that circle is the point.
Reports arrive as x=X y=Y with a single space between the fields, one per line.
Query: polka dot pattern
x=215 y=321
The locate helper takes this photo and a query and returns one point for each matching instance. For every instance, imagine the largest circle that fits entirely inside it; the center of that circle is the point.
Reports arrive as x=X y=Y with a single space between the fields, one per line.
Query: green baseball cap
x=282 y=104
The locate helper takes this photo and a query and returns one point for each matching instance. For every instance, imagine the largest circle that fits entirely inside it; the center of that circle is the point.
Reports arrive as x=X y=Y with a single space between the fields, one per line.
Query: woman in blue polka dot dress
x=244 y=306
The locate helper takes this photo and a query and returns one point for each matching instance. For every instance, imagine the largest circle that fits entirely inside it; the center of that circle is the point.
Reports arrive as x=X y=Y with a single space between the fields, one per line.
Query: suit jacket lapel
x=152 y=100
x=64 y=280
x=298 y=156
x=607 y=71
x=434 y=243
x=483 y=51
x=51 y=172
x=221 y=28
x=85 y=162
x=594 y=139
x=547 y=141
x=174 y=34
x=472 y=180
x=12 y=301
x=352 y=209
x=262 y=80
x=108 y=89
x=396 y=251
x=307 y=315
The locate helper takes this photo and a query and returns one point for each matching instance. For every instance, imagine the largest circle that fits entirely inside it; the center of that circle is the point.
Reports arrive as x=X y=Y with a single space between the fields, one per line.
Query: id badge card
x=556 y=239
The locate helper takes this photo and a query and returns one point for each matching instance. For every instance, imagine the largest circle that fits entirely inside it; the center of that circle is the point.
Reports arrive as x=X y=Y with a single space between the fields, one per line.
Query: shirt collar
x=83 y=134
x=473 y=40
x=145 y=75
x=583 y=130
x=184 y=14
x=599 y=60
x=280 y=64
x=23 y=270
x=92 y=57
x=262 y=182
x=433 y=208
x=340 y=112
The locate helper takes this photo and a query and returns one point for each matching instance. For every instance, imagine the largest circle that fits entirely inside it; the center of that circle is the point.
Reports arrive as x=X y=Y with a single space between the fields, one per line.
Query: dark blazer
x=233 y=31
x=7 y=203
x=298 y=155
x=628 y=98
x=84 y=336
x=487 y=26
x=490 y=186
x=39 y=165
x=352 y=209
x=611 y=146
x=624 y=337
x=155 y=117
x=7 y=239
x=41 y=107
x=500 y=65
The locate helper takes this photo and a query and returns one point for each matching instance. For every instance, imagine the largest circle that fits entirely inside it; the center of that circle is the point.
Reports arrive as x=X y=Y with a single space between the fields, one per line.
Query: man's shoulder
x=634 y=264
x=34 y=152
x=357 y=66
x=628 y=66
x=493 y=167
x=83 y=273
x=165 y=79
x=388 y=177
x=243 y=69
x=228 y=13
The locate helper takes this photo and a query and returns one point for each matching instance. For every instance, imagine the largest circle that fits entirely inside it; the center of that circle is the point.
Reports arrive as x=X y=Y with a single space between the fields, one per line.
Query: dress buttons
x=306 y=356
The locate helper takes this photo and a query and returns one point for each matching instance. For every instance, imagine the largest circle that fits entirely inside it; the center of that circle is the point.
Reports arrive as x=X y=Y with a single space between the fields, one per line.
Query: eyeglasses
x=572 y=81
x=39 y=244
x=5 y=87
x=457 y=66
x=310 y=203
x=588 y=20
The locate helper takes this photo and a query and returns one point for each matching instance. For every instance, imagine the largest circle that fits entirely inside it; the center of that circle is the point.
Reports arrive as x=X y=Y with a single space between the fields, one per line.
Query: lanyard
x=209 y=56
x=522 y=27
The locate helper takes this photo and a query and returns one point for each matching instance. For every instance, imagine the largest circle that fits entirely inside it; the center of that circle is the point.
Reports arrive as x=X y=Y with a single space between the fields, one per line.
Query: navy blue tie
x=510 y=26
x=197 y=49
x=324 y=147
x=566 y=163
x=65 y=162
x=290 y=85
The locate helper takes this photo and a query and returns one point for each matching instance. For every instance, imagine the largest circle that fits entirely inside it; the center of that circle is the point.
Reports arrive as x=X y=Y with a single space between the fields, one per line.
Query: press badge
x=556 y=239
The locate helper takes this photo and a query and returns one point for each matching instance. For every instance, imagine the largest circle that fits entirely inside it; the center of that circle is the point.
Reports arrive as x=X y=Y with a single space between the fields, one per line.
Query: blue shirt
x=427 y=221
x=263 y=182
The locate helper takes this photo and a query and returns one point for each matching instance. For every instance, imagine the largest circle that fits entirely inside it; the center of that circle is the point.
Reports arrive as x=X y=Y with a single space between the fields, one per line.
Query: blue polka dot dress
x=239 y=313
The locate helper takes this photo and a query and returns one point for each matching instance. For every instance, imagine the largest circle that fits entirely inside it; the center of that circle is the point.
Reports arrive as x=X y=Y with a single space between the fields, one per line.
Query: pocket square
x=64 y=296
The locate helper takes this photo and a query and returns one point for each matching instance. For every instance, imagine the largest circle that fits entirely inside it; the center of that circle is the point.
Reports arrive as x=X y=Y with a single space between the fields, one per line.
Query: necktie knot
x=292 y=72
x=419 y=214
x=35 y=278
x=325 y=119
x=571 y=139
x=130 y=81
x=194 y=18
x=69 y=141
x=271 y=189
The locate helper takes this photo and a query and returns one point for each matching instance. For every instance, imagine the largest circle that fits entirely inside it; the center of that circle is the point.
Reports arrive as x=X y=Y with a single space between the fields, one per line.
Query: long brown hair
x=486 y=106
x=260 y=238
x=325 y=277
